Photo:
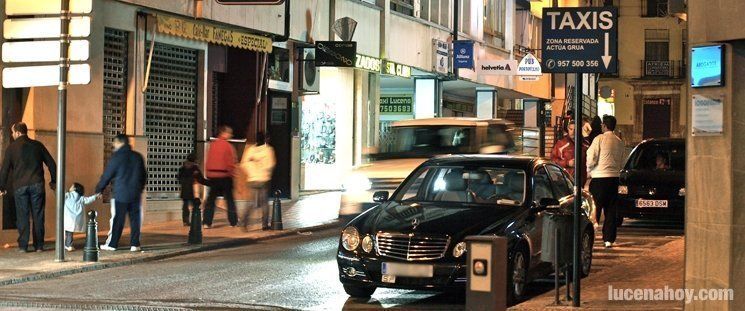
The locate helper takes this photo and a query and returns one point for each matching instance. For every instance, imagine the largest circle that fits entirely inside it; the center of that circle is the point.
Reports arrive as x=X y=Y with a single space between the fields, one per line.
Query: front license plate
x=640 y=203
x=407 y=270
x=387 y=278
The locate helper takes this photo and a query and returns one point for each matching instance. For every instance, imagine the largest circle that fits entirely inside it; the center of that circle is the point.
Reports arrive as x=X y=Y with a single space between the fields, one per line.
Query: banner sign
x=396 y=105
x=441 y=57
x=203 y=32
x=498 y=67
x=463 y=54
x=336 y=53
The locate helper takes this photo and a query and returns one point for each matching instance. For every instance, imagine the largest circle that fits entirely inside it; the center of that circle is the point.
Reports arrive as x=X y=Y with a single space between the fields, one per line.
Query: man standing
x=604 y=161
x=126 y=169
x=563 y=152
x=23 y=162
x=220 y=165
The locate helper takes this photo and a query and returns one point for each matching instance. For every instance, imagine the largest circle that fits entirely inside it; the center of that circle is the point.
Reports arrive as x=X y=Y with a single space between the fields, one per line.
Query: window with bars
x=170 y=116
x=656 y=44
x=654 y=8
x=115 y=77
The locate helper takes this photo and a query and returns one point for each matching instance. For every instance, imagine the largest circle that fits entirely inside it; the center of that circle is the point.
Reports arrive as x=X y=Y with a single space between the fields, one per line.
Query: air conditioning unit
x=309 y=75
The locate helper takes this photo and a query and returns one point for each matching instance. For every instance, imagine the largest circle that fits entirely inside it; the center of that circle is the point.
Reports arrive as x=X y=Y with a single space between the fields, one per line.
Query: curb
x=191 y=250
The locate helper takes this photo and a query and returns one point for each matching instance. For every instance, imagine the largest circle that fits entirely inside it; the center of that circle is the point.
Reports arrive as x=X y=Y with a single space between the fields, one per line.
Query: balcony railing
x=654 y=8
x=663 y=69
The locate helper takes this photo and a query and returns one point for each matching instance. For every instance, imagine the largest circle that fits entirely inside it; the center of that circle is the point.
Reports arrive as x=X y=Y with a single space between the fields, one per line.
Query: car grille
x=385 y=183
x=411 y=247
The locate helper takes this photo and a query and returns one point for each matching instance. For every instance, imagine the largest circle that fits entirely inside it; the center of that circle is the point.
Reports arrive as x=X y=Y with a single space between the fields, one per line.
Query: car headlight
x=682 y=192
x=459 y=249
x=367 y=244
x=357 y=182
x=623 y=190
x=350 y=238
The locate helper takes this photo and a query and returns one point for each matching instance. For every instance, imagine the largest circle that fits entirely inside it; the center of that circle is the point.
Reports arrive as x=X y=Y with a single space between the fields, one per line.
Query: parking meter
x=487 y=273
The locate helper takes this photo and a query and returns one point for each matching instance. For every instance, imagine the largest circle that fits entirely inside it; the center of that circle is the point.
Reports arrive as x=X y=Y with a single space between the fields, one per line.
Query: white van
x=409 y=143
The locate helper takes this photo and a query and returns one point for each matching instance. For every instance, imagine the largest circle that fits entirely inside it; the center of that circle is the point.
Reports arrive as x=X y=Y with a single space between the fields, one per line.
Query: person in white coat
x=75 y=202
x=258 y=163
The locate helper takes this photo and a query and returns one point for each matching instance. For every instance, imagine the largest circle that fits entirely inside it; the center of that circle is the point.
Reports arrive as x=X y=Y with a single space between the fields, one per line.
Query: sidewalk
x=165 y=240
x=655 y=269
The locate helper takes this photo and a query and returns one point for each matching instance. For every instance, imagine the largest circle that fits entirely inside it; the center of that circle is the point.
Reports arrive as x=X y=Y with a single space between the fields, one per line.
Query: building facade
x=648 y=94
x=168 y=73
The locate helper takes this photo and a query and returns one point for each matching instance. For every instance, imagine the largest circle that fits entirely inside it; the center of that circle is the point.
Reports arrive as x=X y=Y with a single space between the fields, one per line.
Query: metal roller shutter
x=116 y=44
x=170 y=117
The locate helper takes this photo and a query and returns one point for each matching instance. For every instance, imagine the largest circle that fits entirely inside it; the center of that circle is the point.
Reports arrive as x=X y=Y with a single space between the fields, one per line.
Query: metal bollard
x=195 y=231
x=277 y=212
x=90 y=252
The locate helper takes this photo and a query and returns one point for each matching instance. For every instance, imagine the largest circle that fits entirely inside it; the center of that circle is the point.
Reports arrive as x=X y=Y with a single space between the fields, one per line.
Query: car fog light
x=623 y=190
x=350 y=238
x=367 y=244
x=682 y=192
x=459 y=249
x=351 y=271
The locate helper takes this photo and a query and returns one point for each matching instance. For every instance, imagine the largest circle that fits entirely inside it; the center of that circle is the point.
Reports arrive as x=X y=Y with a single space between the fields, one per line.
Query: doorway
x=656 y=118
x=280 y=137
x=12 y=102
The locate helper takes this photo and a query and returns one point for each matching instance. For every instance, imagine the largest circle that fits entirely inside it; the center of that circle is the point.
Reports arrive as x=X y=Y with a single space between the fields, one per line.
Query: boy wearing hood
x=190 y=177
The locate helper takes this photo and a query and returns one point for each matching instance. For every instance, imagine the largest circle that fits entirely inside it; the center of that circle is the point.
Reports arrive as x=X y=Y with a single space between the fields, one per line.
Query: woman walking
x=258 y=162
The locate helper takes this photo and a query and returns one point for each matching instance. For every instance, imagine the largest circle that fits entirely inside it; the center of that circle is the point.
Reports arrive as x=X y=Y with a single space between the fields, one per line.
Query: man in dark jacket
x=126 y=169
x=24 y=162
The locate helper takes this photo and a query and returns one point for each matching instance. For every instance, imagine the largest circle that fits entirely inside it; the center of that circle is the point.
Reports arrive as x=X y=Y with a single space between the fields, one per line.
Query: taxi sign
x=580 y=40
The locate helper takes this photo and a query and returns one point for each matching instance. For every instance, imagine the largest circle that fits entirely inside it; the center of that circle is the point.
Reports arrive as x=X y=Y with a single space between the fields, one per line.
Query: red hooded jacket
x=563 y=152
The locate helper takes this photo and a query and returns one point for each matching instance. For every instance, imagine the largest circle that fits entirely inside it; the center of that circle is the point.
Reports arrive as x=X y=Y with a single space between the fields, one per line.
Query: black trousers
x=605 y=192
x=223 y=187
x=30 y=201
x=194 y=203
x=122 y=210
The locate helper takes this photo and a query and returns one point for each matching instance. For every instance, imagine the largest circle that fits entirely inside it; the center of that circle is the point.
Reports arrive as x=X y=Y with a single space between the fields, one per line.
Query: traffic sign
x=580 y=40
x=43 y=51
x=250 y=2
x=45 y=7
x=46 y=27
x=30 y=76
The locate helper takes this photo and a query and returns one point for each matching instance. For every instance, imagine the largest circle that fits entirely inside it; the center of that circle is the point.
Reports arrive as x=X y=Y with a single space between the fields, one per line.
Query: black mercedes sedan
x=415 y=238
x=652 y=183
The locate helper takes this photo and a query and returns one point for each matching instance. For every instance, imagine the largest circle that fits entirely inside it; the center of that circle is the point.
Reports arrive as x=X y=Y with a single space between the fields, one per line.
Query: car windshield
x=657 y=158
x=477 y=185
x=428 y=140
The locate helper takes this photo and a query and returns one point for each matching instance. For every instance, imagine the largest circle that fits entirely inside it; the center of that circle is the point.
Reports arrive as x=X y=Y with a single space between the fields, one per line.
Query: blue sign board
x=707 y=66
x=580 y=40
x=463 y=54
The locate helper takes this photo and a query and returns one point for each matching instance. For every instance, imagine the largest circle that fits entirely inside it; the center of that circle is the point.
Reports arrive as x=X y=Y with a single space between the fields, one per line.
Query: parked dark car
x=652 y=183
x=414 y=240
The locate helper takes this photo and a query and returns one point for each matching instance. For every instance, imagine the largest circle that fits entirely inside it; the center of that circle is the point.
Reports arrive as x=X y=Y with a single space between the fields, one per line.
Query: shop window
x=279 y=65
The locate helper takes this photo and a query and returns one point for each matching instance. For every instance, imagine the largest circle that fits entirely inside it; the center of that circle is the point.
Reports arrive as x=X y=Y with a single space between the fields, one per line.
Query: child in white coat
x=75 y=203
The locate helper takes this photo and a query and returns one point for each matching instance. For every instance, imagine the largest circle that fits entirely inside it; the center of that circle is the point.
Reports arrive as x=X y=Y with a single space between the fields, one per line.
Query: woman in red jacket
x=563 y=152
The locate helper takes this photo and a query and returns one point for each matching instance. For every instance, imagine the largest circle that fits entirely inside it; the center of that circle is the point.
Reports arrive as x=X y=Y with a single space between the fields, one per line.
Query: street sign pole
x=64 y=64
x=578 y=164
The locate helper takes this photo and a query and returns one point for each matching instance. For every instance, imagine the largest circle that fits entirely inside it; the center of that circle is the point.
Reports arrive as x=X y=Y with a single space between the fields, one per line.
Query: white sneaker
x=69 y=248
x=135 y=249
x=608 y=244
x=107 y=248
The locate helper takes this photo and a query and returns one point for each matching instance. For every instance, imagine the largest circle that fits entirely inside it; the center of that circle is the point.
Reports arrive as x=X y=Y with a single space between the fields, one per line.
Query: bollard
x=277 y=212
x=195 y=231
x=90 y=252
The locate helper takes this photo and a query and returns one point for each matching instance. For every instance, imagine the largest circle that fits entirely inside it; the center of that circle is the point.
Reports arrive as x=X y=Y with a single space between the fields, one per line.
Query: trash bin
x=560 y=221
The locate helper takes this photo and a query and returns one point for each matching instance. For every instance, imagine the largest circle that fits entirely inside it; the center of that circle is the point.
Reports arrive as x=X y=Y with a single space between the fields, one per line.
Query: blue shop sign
x=463 y=54
x=707 y=66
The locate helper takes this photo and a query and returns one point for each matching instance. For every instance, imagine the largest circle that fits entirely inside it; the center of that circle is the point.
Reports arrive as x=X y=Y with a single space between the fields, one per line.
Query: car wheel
x=359 y=291
x=586 y=252
x=517 y=277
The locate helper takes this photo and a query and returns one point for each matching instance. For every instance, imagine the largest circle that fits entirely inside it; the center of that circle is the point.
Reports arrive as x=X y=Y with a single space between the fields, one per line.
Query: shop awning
x=200 y=31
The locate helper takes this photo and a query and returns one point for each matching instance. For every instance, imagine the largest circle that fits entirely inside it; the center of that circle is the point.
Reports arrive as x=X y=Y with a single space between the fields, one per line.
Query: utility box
x=487 y=273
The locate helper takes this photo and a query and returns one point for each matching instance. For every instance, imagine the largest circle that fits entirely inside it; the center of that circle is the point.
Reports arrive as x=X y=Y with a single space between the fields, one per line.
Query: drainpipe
x=456 y=21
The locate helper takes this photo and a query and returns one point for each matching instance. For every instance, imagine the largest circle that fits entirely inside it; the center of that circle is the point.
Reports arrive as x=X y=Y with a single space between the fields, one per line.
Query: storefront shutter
x=115 y=77
x=170 y=117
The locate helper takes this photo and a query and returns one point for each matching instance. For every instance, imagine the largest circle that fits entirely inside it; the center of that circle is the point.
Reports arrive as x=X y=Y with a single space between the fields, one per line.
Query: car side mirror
x=380 y=196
